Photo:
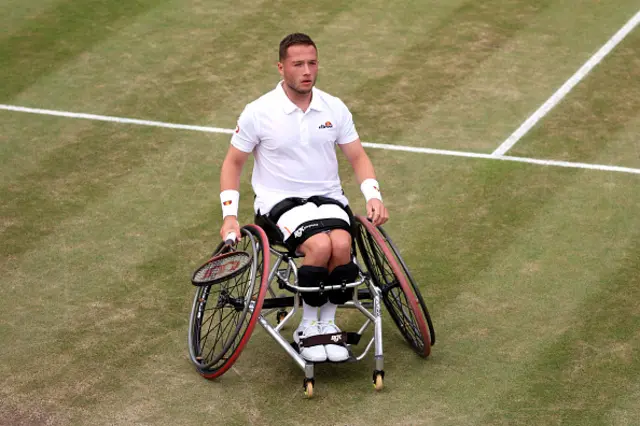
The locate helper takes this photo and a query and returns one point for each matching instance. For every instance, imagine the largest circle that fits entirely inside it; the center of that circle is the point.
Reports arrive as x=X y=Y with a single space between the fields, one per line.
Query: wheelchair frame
x=382 y=272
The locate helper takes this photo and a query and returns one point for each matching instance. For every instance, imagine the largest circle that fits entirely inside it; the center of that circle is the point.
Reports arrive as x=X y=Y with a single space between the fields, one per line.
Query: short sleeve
x=245 y=136
x=347 y=131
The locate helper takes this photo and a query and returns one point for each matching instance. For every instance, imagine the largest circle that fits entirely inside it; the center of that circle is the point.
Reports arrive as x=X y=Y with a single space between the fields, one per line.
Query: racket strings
x=221 y=267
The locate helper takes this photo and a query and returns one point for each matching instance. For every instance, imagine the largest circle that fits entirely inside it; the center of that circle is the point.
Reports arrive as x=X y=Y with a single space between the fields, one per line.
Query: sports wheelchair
x=246 y=283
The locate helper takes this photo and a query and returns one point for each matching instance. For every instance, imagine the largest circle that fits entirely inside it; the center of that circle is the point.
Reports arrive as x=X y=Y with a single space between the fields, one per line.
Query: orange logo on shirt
x=227 y=203
x=326 y=125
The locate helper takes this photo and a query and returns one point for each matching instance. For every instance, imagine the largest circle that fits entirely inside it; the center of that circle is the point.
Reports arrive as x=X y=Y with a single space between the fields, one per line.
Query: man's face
x=300 y=68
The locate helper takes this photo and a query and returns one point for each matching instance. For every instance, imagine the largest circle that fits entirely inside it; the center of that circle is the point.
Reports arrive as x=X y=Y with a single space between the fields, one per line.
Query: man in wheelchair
x=292 y=132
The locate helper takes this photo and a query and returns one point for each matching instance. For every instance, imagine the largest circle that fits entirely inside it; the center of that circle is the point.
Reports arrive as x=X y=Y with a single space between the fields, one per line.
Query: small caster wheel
x=378 y=380
x=308 y=388
x=281 y=315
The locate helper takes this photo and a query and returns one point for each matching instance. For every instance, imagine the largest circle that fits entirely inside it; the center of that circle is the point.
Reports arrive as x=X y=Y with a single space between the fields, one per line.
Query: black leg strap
x=341 y=339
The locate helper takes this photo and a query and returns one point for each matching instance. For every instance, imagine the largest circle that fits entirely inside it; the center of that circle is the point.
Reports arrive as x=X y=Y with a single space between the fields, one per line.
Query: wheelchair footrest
x=352 y=357
x=344 y=338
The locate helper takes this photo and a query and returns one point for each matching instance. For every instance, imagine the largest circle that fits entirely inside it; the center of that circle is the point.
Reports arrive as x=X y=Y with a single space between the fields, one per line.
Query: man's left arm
x=363 y=168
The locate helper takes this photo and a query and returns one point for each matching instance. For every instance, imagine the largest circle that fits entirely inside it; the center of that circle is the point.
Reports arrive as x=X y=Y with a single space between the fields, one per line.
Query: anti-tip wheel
x=378 y=381
x=280 y=315
x=308 y=389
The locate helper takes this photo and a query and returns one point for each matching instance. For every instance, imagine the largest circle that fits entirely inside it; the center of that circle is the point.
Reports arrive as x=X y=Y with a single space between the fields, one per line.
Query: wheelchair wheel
x=414 y=286
x=399 y=297
x=224 y=314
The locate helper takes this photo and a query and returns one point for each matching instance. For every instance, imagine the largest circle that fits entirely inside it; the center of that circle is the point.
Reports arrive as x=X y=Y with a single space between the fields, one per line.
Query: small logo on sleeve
x=326 y=125
x=237 y=129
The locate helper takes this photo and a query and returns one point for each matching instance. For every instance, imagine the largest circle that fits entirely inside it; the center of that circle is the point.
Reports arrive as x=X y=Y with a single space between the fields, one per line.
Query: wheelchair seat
x=274 y=235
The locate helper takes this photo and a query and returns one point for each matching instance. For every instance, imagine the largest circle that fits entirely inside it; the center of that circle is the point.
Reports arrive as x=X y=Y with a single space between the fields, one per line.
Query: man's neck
x=301 y=100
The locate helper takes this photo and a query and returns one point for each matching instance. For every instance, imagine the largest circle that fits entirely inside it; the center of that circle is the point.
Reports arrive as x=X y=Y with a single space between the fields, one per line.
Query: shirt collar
x=289 y=107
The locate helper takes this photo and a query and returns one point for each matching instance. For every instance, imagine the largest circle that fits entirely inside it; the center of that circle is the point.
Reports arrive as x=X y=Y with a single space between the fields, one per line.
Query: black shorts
x=292 y=238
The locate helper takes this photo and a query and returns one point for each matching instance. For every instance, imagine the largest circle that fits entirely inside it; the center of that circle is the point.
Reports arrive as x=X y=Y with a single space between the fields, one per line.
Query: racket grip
x=230 y=239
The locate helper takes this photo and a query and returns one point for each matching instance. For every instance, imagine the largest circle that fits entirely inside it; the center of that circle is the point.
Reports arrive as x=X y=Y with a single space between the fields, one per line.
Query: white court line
x=567 y=86
x=114 y=119
x=556 y=163
x=366 y=144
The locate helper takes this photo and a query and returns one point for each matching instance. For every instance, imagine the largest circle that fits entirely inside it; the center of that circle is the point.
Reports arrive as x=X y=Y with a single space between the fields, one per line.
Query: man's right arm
x=232 y=168
x=243 y=142
x=230 y=183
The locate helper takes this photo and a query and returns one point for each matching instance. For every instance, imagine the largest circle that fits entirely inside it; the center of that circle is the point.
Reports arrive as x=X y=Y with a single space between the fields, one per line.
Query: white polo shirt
x=295 y=153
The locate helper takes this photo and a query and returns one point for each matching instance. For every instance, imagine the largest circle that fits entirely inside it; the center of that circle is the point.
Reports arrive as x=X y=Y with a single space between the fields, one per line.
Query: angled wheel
x=414 y=286
x=401 y=299
x=224 y=314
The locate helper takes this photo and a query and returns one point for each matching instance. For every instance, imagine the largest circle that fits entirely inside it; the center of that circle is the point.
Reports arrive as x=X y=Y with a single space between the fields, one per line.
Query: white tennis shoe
x=312 y=353
x=335 y=353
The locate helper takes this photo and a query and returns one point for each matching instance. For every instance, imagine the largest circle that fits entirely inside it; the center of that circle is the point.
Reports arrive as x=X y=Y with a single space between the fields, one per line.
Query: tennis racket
x=223 y=265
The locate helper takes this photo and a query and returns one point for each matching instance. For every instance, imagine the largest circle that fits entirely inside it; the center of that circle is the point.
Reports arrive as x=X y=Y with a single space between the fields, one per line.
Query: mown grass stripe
x=59 y=34
x=88 y=167
x=579 y=379
x=438 y=62
x=103 y=309
x=68 y=179
x=530 y=292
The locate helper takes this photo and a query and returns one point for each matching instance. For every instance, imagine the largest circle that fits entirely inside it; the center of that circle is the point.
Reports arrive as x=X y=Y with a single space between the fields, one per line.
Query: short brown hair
x=292 y=40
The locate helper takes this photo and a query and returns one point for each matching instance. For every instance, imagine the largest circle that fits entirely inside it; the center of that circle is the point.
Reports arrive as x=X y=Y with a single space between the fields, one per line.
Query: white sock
x=309 y=313
x=328 y=312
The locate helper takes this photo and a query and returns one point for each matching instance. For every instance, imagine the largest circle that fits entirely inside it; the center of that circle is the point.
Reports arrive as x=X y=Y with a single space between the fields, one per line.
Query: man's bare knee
x=340 y=246
x=317 y=250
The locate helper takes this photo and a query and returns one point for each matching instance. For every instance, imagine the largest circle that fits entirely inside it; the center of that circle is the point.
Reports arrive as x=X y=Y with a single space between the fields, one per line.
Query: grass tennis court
x=531 y=272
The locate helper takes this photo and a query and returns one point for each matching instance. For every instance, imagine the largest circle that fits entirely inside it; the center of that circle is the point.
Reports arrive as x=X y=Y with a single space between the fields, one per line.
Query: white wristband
x=229 y=199
x=370 y=189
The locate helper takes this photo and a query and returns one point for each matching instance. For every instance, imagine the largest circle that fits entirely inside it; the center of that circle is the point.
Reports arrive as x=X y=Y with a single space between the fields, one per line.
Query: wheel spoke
x=218 y=327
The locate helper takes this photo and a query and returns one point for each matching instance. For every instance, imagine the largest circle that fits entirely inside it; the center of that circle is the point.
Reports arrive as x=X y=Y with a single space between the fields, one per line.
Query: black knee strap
x=344 y=274
x=313 y=276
